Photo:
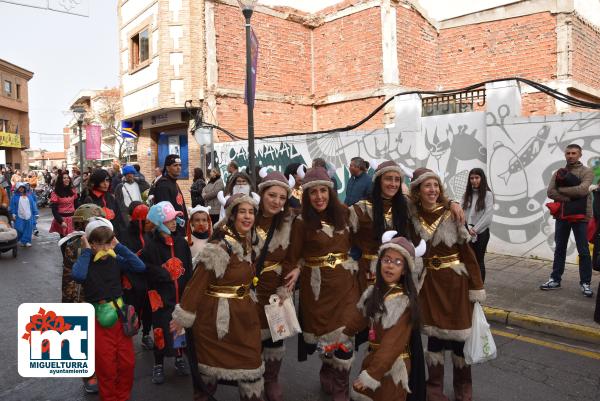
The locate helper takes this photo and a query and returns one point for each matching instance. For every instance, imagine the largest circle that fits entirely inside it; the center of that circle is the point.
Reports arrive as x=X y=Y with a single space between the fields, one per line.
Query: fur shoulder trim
x=448 y=232
x=214 y=257
x=394 y=309
x=281 y=237
x=183 y=317
x=399 y=374
x=361 y=305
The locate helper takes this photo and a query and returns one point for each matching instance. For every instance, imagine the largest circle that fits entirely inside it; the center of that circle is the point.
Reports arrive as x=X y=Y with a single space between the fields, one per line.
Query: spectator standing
x=129 y=190
x=167 y=190
x=5 y=187
x=596 y=258
x=562 y=228
x=15 y=179
x=32 y=180
x=138 y=174
x=232 y=168
x=210 y=192
x=478 y=204
x=197 y=187
x=359 y=184
x=62 y=202
x=157 y=175
x=76 y=178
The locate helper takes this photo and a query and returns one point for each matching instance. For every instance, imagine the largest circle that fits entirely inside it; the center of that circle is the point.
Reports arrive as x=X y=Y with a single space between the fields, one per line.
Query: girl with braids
x=478 y=204
x=62 y=202
x=452 y=283
x=320 y=242
x=273 y=226
x=390 y=310
x=218 y=304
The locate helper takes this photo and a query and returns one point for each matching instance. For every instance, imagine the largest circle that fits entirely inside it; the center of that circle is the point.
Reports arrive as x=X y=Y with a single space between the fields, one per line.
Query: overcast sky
x=66 y=53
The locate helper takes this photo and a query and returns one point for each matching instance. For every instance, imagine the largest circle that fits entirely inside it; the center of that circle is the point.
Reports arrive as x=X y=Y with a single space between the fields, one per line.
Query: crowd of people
x=199 y=277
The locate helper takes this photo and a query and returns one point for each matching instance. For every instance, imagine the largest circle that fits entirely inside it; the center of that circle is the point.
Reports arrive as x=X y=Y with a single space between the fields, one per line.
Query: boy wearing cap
x=99 y=269
x=169 y=262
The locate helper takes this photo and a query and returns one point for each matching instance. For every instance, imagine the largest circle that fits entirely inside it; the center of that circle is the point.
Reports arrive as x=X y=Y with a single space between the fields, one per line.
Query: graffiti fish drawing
x=526 y=154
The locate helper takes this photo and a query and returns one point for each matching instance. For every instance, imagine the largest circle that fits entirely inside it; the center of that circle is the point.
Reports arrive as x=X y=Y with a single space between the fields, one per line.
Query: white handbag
x=282 y=318
x=479 y=346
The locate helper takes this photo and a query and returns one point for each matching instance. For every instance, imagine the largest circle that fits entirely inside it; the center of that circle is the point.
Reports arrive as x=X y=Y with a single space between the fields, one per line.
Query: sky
x=66 y=53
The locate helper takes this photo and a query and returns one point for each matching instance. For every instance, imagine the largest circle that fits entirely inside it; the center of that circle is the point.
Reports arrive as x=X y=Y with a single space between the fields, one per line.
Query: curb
x=544 y=325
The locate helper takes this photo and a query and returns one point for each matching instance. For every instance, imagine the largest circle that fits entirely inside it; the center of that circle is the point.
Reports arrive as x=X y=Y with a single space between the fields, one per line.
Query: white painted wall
x=141 y=101
x=519 y=154
x=589 y=9
x=133 y=7
x=141 y=77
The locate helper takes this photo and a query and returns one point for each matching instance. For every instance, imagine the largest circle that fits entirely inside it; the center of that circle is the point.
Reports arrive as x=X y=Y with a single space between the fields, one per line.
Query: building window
x=461 y=102
x=19 y=91
x=8 y=88
x=140 y=48
x=3 y=125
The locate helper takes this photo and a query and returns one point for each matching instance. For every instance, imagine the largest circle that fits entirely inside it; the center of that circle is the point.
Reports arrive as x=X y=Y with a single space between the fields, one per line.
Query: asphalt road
x=529 y=366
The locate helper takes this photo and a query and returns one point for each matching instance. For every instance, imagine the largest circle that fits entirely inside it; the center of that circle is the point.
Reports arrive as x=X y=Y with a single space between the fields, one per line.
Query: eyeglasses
x=390 y=261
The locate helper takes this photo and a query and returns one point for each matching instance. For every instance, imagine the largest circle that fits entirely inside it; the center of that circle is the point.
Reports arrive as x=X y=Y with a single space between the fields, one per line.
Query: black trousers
x=480 y=247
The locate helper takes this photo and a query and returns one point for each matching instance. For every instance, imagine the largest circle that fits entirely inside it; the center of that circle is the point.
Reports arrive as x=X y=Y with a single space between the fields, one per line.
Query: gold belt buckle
x=436 y=262
x=241 y=291
x=331 y=259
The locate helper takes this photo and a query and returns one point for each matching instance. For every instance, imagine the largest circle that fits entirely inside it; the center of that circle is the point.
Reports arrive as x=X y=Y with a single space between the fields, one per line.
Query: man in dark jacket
x=359 y=184
x=166 y=188
x=562 y=228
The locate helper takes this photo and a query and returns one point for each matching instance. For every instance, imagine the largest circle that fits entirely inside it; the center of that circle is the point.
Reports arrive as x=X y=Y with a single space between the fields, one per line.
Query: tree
x=106 y=111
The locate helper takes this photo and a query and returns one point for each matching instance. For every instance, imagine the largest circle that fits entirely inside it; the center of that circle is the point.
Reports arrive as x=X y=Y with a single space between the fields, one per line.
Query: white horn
x=407 y=171
x=291 y=181
x=262 y=172
x=222 y=199
x=374 y=164
x=255 y=196
x=420 y=250
x=387 y=236
x=301 y=173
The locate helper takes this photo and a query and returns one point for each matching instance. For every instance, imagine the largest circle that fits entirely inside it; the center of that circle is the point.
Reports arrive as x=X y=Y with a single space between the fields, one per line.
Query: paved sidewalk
x=513 y=297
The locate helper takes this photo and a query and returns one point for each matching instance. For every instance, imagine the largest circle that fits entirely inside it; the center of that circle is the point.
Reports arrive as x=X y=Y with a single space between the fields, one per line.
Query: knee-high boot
x=462 y=382
x=251 y=391
x=341 y=385
x=272 y=388
x=210 y=387
x=435 y=382
x=326 y=378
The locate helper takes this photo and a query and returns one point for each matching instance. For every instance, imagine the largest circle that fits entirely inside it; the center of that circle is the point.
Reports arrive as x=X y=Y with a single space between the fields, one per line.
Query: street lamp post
x=247 y=7
x=79 y=113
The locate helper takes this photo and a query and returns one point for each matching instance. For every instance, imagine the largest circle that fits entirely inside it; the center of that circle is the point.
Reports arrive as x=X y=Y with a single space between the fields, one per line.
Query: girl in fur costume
x=219 y=306
x=273 y=226
x=452 y=283
x=169 y=265
x=390 y=310
x=320 y=242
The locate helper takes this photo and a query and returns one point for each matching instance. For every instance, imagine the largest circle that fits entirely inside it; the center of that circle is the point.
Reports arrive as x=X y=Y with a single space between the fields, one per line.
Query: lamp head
x=79 y=113
x=247 y=4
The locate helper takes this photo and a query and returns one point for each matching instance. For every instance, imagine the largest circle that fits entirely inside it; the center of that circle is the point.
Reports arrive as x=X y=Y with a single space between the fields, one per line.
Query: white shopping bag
x=479 y=346
x=282 y=318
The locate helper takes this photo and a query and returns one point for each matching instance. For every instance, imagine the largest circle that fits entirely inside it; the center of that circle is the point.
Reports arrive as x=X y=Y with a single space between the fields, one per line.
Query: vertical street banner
x=249 y=98
x=93 y=138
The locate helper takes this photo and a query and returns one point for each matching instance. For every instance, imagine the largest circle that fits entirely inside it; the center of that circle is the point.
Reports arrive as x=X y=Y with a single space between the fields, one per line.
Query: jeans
x=562 y=231
x=479 y=247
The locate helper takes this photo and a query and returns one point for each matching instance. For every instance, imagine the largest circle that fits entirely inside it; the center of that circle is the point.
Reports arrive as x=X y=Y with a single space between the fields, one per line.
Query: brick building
x=14 y=113
x=332 y=67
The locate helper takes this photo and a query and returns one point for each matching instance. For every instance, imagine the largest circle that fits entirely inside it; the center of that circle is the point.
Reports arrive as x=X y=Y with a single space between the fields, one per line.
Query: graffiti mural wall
x=519 y=154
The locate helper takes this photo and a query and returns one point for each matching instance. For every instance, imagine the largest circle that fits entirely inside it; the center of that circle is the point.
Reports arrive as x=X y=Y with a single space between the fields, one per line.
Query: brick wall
x=348 y=54
x=346 y=113
x=523 y=46
x=537 y=104
x=284 y=52
x=586 y=53
x=417 y=50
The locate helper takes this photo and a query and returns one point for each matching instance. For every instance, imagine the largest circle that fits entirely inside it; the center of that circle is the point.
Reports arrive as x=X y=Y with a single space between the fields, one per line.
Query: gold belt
x=369 y=256
x=229 y=291
x=270 y=266
x=375 y=346
x=441 y=262
x=330 y=260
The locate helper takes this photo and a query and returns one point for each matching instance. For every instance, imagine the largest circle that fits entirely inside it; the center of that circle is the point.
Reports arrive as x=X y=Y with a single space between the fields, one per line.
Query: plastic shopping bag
x=479 y=346
x=282 y=318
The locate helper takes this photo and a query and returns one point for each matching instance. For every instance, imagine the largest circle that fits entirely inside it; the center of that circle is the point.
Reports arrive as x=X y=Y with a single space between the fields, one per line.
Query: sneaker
x=21 y=244
x=181 y=368
x=586 y=290
x=158 y=374
x=36 y=233
x=91 y=385
x=550 y=285
x=28 y=245
x=147 y=342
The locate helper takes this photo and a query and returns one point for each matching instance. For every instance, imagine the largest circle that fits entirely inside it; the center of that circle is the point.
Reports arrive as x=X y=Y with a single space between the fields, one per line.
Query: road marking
x=548 y=344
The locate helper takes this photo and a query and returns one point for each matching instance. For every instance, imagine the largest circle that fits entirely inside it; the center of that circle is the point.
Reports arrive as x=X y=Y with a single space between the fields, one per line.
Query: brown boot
x=463 y=386
x=341 y=385
x=272 y=388
x=204 y=395
x=435 y=383
x=326 y=377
